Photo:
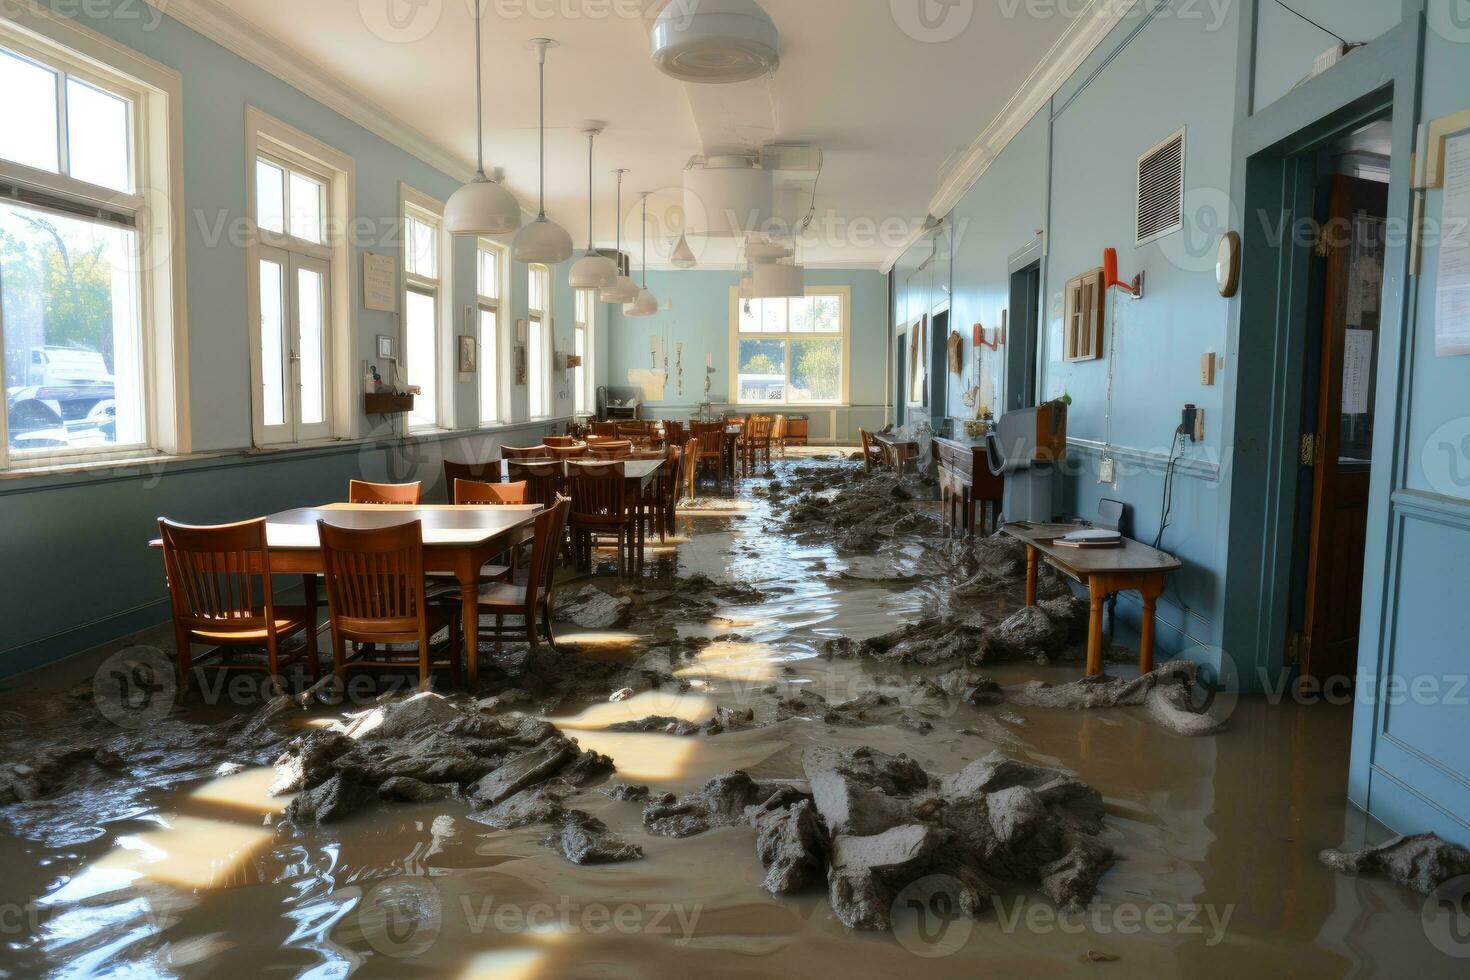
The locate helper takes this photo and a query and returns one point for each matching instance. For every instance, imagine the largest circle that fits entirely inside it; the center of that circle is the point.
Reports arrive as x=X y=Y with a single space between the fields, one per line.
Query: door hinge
x=1308 y=452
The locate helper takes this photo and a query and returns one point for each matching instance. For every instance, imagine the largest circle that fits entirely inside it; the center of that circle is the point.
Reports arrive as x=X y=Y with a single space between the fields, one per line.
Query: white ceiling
x=887 y=110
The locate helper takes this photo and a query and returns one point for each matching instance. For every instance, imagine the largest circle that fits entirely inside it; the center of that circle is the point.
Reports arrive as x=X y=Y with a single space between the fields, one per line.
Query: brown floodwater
x=1216 y=836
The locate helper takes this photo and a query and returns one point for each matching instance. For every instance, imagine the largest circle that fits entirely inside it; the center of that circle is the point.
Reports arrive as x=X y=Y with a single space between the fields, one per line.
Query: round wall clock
x=1227 y=264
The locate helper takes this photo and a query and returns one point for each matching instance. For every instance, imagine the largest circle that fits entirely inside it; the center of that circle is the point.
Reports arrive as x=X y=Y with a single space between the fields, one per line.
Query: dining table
x=457 y=540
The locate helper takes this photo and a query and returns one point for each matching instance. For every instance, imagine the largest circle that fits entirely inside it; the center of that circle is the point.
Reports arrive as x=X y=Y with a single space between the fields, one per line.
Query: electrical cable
x=1167 y=504
x=1283 y=6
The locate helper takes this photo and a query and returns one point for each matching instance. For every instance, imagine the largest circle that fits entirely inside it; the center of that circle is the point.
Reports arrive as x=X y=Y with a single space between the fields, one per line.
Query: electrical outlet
x=1106 y=471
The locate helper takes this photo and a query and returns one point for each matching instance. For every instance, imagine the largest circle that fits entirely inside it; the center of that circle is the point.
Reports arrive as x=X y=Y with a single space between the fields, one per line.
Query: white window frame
x=423 y=207
x=156 y=96
x=844 y=296
x=269 y=138
x=498 y=355
x=584 y=329
x=543 y=322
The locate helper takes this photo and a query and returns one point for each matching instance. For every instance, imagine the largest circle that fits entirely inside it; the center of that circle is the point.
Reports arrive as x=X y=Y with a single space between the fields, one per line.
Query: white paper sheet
x=1357 y=367
x=1452 y=305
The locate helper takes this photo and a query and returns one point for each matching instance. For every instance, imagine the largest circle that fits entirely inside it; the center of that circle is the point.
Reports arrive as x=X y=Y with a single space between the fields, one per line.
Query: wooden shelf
x=383 y=403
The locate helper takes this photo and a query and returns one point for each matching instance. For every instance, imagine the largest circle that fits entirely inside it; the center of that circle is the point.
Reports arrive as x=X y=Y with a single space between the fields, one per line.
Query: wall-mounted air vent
x=1161 y=189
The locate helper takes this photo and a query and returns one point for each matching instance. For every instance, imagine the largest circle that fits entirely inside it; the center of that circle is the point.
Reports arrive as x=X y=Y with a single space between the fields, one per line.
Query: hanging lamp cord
x=590 y=138
x=645 y=241
x=541 y=163
x=479 y=100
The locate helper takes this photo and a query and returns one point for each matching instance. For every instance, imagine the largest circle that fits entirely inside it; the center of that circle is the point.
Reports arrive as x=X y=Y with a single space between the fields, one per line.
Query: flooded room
x=735 y=488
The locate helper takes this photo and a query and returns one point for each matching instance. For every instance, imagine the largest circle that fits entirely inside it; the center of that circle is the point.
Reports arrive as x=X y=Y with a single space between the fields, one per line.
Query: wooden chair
x=607 y=430
x=560 y=441
x=674 y=434
x=778 y=433
x=601 y=506
x=711 y=436
x=219 y=587
x=611 y=450
x=755 y=441
x=873 y=452
x=376 y=594
x=532 y=597
x=525 y=452
x=487 y=472
x=362 y=492
x=689 y=468
x=475 y=493
x=575 y=451
x=543 y=480
x=670 y=480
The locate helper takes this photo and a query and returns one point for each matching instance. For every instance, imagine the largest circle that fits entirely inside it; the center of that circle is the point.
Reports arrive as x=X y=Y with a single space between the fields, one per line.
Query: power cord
x=1167 y=505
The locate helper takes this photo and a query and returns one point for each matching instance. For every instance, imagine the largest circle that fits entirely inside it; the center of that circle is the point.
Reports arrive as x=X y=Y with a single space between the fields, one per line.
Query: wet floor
x=1216 y=836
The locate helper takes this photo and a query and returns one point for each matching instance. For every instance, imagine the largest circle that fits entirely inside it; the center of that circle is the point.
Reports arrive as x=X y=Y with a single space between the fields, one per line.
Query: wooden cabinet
x=796 y=430
x=966 y=485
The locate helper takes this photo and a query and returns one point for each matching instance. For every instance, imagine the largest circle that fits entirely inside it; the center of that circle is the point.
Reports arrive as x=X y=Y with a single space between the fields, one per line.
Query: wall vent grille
x=1161 y=189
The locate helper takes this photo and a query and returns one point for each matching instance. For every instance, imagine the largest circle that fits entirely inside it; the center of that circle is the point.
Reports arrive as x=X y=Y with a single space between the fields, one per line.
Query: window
x=88 y=298
x=491 y=264
x=425 y=307
x=538 y=342
x=301 y=346
x=1084 y=316
x=586 y=311
x=791 y=351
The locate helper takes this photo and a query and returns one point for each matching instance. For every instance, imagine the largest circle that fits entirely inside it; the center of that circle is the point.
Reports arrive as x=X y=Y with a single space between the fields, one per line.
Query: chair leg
x=339 y=660
x=546 y=625
x=186 y=660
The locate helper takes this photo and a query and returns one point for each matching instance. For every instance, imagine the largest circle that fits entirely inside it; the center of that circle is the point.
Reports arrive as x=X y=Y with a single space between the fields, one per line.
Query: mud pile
x=858 y=512
x=870 y=824
x=1168 y=692
x=1422 y=862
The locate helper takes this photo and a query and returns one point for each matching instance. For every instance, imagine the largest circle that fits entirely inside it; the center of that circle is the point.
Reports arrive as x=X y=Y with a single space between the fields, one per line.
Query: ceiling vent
x=715 y=41
x=1161 y=189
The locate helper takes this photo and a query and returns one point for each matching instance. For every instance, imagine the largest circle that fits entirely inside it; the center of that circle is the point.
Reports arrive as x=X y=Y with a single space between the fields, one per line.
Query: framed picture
x=467 y=350
x=387 y=348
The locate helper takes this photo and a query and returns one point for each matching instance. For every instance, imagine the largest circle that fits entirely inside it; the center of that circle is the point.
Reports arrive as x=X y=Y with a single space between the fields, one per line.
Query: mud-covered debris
x=46 y=770
x=626 y=792
x=1168 y=692
x=335 y=799
x=593 y=609
x=583 y=839
x=792 y=846
x=1421 y=862
x=721 y=802
x=405 y=789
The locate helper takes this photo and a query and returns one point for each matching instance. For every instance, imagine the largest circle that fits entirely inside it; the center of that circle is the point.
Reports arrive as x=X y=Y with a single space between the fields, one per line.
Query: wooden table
x=456 y=539
x=1131 y=566
x=898 y=450
x=965 y=481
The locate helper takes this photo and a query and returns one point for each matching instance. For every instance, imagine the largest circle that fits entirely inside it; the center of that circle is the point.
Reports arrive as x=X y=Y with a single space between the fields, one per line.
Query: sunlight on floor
x=519 y=964
x=244 y=790
x=689 y=707
x=671 y=758
x=715 y=507
x=188 y=852
x=753 y=662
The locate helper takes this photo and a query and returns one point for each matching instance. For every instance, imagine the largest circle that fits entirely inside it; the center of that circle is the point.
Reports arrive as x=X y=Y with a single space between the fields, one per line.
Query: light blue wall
x=90 y=530
x=1287 y=44
x=700 y=320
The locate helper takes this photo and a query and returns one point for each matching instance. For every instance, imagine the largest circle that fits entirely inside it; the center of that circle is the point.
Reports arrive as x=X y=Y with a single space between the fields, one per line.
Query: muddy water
x=1216 y=838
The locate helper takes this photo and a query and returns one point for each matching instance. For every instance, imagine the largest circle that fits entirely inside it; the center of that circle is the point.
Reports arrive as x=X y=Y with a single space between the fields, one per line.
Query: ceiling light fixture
x=718 y=42
x=646 y=304
x=542 y=241
x=625 y=290
x=481 y=207
x=683 y=257
x=593 y=270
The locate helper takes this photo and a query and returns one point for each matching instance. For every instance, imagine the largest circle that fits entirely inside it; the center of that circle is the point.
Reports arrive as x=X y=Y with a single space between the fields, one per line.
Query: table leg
x=469 y=595
x=1150 y=590
x=308 y=588
x=1031 y=575
x=1096 y=596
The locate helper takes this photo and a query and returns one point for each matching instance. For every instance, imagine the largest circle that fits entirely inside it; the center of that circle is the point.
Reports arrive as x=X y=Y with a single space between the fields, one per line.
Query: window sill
x=96 y=464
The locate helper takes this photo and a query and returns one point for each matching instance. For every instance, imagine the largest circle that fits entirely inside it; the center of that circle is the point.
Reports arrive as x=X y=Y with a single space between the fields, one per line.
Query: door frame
x=1272 y=177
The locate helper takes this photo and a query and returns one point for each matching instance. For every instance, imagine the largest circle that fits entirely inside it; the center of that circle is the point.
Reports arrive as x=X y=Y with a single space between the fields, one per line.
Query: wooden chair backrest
x=598 y=490
x=362 y=492
x=542 y=480
x=524 y=452
x=375 y=578
x=218 y=575
x=711 y=436
x=575 y=450
x=546 y=544
x=488 y=472
x=867 y=440
x=607 y=429
x=674 y=432
x=758 y=429
x=474 y=492
x=560 y=441
x=689 y=465
x=778 y=427
x=611 y=450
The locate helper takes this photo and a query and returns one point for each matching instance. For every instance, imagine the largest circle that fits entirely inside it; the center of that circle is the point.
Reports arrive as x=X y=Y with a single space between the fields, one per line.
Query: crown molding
x=1065 y=56
x=225 y=28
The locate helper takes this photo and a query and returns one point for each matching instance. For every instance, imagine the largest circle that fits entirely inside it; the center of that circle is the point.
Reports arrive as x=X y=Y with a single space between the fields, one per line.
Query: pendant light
x=542 y=241
x=625 y=290
x=646 y=304
x=683 y=257
x=481 y=207
x=592 y=271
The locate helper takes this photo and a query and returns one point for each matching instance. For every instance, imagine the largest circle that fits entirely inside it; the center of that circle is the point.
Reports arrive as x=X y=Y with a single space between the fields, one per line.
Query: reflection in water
x=676 y=759
x=672 y=704
x=187 y=852
x=751 y=662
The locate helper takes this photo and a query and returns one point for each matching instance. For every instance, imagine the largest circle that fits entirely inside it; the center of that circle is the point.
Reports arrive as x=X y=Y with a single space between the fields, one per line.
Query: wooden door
x=1340 y=450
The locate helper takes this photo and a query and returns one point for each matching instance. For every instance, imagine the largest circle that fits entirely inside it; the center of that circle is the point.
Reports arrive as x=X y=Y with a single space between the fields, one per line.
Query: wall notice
x=1452 y=304
x=1357 y=370
x=379 y=282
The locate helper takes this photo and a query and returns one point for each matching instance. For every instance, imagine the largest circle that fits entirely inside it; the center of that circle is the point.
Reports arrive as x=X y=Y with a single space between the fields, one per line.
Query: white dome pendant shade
x=776 y=280
x=683 y=257
x=646 y=304
x=481 y=207
x=542 y=241
x=625 y=290
x=592 y=271
x=715 y=41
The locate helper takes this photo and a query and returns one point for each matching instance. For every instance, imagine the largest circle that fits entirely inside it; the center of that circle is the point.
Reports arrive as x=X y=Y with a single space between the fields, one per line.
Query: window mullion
x=63 y=150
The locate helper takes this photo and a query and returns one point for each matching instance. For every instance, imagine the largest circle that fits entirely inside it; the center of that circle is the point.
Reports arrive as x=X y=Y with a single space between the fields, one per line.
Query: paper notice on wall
x=1452 y=304
x=650 y=381
x=379 y=282
x=1357 y=370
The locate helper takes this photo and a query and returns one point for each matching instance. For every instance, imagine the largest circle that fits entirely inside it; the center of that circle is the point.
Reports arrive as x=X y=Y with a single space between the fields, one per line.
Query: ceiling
x=888 y=110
